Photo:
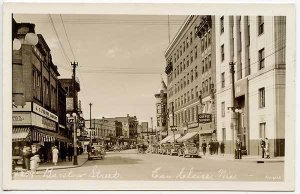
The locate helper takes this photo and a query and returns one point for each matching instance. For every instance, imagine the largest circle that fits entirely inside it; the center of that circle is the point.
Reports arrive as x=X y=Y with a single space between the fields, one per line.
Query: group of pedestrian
x=213 y=147
x=265 y=147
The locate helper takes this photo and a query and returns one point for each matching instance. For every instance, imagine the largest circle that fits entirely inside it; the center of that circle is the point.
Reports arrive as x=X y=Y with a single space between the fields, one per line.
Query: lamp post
x=73 y=120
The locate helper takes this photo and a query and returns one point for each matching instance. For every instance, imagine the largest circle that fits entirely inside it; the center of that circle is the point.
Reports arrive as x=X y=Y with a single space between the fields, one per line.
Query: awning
x=177 y=136
x=187 y=136
x=48 y=136
x=166 y=139
x=21 y=134
x=207 y=131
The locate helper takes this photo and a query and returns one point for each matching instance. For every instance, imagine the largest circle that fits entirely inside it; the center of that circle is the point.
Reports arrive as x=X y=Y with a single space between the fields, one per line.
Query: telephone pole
x=90 y=123
x=74 y=65
x=231 y=64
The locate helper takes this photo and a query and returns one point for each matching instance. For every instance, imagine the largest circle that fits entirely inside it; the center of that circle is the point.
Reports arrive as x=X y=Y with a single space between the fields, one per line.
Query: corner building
x=191 y=77
x=256 y=46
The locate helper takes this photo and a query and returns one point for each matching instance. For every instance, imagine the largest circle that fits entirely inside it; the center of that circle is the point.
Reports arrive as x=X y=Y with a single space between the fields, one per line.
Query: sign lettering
x=205 y=118
x=42 y=111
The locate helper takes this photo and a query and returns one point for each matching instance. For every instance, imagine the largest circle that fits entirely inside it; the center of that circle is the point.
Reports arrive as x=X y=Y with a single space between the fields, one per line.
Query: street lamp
x=73 y=119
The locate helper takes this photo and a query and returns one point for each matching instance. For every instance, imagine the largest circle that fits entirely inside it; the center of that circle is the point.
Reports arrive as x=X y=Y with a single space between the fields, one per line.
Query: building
x=191 y=79
x=161 y=110
x=37 y=96
x=256 y=46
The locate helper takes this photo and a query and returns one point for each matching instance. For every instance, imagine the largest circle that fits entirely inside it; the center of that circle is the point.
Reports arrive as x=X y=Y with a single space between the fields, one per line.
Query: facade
x=161 y=111
x=191 y=79
x=36 y=87
x=256 y=46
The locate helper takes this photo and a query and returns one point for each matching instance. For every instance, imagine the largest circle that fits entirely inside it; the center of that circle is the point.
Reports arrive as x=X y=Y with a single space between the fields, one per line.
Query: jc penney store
x=33 y=125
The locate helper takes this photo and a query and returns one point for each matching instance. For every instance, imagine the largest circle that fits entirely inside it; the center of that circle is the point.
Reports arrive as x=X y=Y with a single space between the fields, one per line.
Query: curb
x=57 y=168
x=245 y=160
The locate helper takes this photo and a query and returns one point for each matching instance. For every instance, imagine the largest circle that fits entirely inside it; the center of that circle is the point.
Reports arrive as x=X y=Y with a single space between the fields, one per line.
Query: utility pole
x=74 y=65
x=90 y=124
x=151 y=125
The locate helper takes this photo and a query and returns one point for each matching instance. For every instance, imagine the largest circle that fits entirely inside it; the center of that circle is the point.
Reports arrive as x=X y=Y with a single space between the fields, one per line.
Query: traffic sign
x=70 y=119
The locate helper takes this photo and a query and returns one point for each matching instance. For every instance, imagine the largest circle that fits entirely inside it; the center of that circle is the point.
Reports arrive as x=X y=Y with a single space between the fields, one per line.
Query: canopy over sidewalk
x=177 y=136
x=187 y=136
x=166 y=139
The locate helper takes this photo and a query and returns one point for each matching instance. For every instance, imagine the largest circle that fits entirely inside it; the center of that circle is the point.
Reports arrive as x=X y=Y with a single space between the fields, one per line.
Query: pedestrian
x=204 y=145
x=63 y=153
x=262 y=146
x=49 y=154
x=210 y=147
x=55 y=155
x=222 y=148
x=34 y=162
x=217 y=147
x=239 y=149
x=70 y=151
x=26 y=157
x=267 y=148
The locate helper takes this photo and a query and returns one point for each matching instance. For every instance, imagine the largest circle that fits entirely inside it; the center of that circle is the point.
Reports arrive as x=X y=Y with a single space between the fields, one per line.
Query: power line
x=67 y=37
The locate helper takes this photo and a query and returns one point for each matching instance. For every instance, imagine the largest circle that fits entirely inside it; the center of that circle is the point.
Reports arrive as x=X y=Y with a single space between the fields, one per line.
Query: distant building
x=161 y=110
x=256 y=45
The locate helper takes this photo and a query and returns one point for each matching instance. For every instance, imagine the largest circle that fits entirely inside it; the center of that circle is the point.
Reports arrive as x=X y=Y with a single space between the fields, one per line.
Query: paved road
x=132 y=166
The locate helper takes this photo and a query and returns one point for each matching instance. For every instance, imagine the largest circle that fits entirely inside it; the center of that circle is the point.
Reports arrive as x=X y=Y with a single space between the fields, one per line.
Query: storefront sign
x=21 y=119
x=42 y=122
x=205 y=118
x=42 y=111
x=241 y=87
x=69 y=104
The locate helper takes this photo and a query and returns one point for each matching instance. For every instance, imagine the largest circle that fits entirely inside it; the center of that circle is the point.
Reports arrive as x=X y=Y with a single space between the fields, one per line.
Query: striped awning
x=21 y=134
x=47 y=136
x=187 y=136
x=166 y=139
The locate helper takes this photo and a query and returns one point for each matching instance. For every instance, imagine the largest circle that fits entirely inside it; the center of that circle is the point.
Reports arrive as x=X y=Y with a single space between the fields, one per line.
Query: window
x=223 y=79
x=262 y=130
x=192 y=94
x=196 y=72
x=192 y=75
x=205 y=42
x=184 y=98
x=203 y=70
x=222 y=53
x=188 y=78
x=180 y=67
x=184 y=81
x=187 y=42
x=188 y=96
x=202 y=44
x=180 y=50
x=209 y=83
x=191 y=37
x=206 y=64
x=261 y=93
x=196 y=54
x=223 y=109
x=208 y=38
x=193 y=113
x=209 y=61
x=224 y=134
x=206 y=85
x=260 y=22
x=183 y=63
x=187 y=62
x=192 y=57
x=196 y=90
x=183 y=46
x=222 y=24
x=261 y=58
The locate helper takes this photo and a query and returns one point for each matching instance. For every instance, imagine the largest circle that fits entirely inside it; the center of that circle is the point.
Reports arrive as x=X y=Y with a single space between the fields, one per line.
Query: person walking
x=26 y=157
x=34 y=162
x=63 y=153
x=204 y=145
x=55 y=155
x=217 y=147
x=262 y=146
x=210 y=147
x=222 y=148
x=70 y=151
x=267 y=148
x=239 y=149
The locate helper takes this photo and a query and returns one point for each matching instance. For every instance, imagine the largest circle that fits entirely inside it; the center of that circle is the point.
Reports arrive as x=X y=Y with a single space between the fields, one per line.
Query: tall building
x=38 y=109
x=161 y=110
x=256 y=46
x=191 y=79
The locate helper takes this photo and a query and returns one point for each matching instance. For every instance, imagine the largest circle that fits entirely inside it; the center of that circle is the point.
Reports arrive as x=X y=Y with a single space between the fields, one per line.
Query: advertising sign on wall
x=69 y=104
x=21 y=119
x=205 y=118
x=42 y=122
x=44 y=112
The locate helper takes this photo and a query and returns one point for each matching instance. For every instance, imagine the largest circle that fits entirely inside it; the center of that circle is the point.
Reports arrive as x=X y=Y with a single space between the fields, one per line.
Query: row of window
x=189 y=115
x=260 y=24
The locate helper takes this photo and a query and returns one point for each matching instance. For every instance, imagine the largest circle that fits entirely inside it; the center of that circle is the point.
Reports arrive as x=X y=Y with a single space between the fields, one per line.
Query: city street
x=128 y=165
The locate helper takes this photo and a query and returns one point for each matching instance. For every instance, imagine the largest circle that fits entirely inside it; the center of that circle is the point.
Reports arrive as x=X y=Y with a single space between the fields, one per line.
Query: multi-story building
x=161 y=111
x=256 y=47
x=191 y=79
x=35 y=85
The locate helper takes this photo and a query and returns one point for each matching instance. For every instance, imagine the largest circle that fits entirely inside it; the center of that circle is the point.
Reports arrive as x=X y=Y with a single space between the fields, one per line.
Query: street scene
x=148 y=97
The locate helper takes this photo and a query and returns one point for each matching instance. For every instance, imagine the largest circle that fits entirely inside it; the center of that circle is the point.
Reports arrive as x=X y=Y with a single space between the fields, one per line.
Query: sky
x=120 y=58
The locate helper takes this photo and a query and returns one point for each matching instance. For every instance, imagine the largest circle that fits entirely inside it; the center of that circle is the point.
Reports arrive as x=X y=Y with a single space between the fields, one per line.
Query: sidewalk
x=81 y=159
x=249 y=158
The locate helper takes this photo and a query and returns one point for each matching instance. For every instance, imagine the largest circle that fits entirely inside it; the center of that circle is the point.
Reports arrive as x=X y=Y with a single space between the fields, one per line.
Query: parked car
x=167 y=149
x=96 y=151
x=188 y=149
x=175 y=148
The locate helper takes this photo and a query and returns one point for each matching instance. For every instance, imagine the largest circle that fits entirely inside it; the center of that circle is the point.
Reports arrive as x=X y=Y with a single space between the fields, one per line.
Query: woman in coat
x=267 y=148
x=55 y=155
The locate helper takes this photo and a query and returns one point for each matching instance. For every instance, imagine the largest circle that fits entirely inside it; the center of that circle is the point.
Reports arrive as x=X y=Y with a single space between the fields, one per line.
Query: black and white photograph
x=176 y=98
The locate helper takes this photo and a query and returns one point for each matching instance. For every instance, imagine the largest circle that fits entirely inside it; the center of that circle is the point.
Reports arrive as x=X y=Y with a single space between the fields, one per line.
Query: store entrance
x=241 y=127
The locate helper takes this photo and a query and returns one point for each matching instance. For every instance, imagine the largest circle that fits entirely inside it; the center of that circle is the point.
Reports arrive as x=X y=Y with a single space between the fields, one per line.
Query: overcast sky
x=121 y=58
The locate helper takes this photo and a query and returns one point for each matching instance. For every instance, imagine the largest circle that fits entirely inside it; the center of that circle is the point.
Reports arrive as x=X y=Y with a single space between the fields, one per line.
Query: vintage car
x=175 y=148
x=167 y=149
x=188 y=149
x=96 y=151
